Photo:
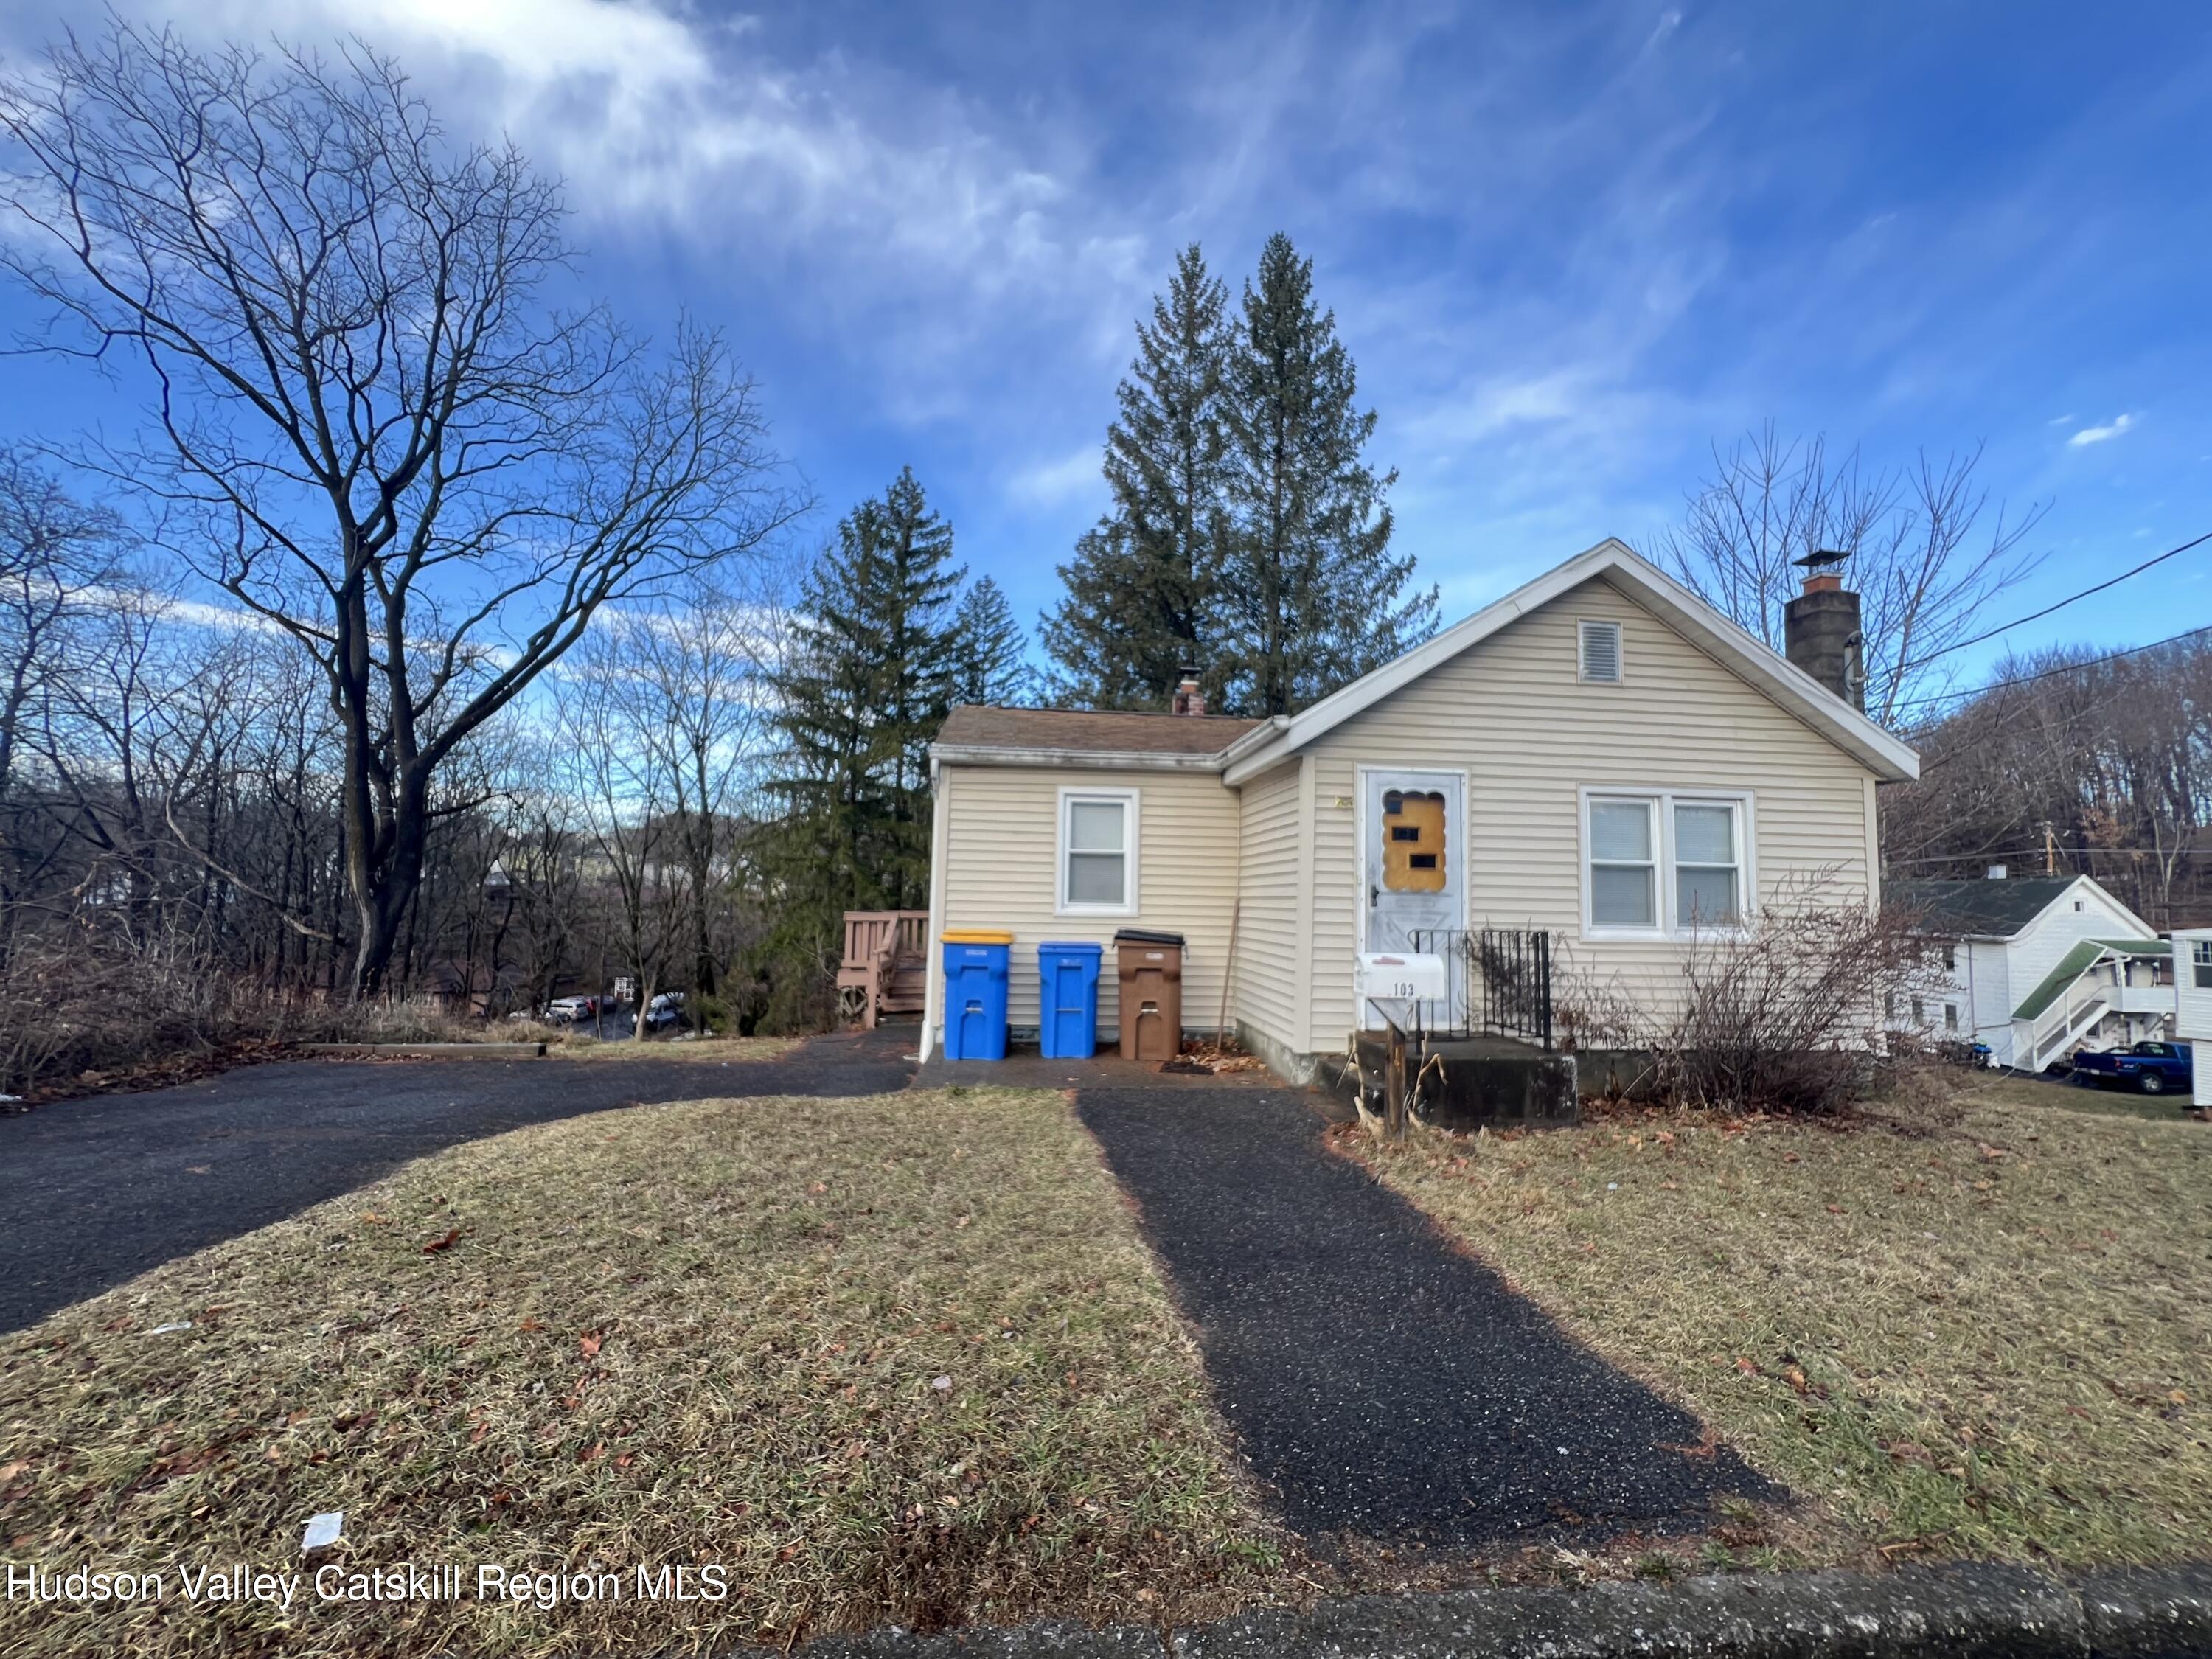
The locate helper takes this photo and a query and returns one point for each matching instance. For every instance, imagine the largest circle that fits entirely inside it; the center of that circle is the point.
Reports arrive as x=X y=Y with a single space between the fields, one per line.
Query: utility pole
x=2050 y=850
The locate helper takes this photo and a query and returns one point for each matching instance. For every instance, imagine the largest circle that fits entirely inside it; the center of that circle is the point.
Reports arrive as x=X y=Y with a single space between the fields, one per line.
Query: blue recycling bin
x=1067 y=1004
x=976 y=960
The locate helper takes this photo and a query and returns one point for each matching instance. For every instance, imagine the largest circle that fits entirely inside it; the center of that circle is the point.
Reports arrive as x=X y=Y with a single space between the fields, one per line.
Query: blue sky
x=1570 y=249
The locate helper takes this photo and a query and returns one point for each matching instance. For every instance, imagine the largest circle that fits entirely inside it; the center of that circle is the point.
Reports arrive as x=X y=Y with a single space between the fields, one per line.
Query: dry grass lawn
x=1988 y=1334
x=900 y=1358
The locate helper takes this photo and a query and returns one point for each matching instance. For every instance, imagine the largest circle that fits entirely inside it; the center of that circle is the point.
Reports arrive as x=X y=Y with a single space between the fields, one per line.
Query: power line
x=2036 y=615
x=2063 y=668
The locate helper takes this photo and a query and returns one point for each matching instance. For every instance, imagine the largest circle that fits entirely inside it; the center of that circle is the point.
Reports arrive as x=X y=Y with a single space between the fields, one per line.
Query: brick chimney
x=1188 y=699
x=1820 y=628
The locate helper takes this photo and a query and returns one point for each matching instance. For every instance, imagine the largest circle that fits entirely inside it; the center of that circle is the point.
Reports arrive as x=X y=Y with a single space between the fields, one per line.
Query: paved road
x=1386 y=1384
x=94 y=1192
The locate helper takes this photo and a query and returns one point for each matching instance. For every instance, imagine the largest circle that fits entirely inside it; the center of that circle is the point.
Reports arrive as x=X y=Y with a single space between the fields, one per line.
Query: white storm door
x=1414 y=867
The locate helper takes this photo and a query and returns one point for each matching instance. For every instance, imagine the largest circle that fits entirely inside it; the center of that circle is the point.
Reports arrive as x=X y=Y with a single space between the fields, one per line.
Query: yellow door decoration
x=1413 y=841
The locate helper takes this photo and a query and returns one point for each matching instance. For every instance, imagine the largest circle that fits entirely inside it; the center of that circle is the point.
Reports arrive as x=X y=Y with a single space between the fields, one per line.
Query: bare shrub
x=98 y=1013
x=1781 y=1015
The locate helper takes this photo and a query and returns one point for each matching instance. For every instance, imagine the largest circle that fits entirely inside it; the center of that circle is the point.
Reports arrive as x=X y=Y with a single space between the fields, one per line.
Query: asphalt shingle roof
x=1996 y=909
x=980 y=727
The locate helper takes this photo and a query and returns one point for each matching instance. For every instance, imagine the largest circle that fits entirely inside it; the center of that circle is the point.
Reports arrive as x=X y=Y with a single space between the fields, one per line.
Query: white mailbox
x=2192 y=998
x=1401 y=976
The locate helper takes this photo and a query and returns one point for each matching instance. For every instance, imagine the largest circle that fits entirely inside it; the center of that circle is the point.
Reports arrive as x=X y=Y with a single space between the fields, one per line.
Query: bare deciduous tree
x=1927 y=551
x=371 y=424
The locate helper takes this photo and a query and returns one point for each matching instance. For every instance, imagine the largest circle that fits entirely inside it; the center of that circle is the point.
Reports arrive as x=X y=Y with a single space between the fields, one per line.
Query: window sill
x=1099 y=912
x=1662 y=935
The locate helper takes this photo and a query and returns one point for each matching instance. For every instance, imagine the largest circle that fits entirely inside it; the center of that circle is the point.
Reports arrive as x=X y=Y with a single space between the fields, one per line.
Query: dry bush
x=1781 y=1015
x=88 y=1014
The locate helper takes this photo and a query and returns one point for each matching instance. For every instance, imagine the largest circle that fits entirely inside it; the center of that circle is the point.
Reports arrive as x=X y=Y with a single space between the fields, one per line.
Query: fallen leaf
x=2079 y=1413
x=444 y=1243
x=1835 y=1209
x=532 y=1323
x=590 y=1344
x=1749 y=1367
x=1795 y=1377
x=373 y=1219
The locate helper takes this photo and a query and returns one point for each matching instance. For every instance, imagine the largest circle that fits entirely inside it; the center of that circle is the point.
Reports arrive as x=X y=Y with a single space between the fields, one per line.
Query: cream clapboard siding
x=1265 y=989
x=1529 y=736
x=1001 y=837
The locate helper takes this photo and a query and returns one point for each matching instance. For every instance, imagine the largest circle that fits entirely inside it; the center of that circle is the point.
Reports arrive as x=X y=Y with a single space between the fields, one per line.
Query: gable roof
x=1991 y=909
x=1981 y=909
x=1787 y=685
x=1013 y=737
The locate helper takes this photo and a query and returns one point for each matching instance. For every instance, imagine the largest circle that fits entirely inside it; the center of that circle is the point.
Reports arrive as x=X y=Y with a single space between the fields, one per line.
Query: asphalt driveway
x=94 y=1192
x=1385 y=1383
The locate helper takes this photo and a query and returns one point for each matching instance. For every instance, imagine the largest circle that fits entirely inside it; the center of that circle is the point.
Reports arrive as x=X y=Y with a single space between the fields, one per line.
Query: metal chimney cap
x=1826 y=558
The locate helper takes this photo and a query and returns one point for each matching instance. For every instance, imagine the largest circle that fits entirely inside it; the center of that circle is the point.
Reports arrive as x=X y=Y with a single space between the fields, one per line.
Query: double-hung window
x=1097 y=852
x=2199 y=959
x=1660 y=864
x=1624 y=844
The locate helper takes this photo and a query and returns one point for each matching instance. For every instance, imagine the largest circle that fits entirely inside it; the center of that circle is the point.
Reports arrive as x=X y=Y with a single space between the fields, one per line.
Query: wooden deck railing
x=885 y=965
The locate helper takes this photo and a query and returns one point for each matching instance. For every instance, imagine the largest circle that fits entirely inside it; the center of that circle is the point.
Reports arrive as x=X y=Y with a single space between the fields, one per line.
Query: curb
x=1964 y=1612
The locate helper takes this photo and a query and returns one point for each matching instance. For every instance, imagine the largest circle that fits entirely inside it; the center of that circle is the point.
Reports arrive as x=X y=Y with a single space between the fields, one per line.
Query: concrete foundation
x=1285 y=1062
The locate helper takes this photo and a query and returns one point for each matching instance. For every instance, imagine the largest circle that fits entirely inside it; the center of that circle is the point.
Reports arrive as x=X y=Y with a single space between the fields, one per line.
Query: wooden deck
x=886 y=965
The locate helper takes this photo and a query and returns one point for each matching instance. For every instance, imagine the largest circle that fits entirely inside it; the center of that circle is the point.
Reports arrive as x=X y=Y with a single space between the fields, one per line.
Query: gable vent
x=1601 y=649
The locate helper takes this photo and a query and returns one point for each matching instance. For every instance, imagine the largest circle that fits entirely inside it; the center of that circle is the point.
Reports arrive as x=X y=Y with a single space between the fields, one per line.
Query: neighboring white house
x=2036 y=967
x=1599 y=756
x=2192 y=1023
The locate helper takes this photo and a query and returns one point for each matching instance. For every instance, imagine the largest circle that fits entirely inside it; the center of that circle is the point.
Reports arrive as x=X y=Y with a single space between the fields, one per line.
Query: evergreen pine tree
x=990 y=650
x=1311 y=597
x=873 y=658
x=1141 y=587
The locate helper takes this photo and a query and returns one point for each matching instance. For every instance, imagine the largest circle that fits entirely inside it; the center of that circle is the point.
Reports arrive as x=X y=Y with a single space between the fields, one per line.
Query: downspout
x=933 y=974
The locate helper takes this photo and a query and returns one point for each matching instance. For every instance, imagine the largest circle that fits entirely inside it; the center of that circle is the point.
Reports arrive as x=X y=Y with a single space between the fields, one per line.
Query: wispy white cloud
x=2097 y=435
x=1060 y=480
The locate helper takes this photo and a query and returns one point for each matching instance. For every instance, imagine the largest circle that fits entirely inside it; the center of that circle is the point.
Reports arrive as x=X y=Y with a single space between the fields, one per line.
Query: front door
x=1414 y=866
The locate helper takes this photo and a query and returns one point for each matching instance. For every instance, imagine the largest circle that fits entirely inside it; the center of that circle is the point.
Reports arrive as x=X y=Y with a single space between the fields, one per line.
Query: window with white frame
x=1097 y=852
x=1708 y=865
x=1660 y=864
x=2200 y=959
x=1624 y=845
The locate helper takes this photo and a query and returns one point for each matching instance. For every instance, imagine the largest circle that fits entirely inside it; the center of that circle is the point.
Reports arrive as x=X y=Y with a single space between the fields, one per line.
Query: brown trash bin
x=1149 y=967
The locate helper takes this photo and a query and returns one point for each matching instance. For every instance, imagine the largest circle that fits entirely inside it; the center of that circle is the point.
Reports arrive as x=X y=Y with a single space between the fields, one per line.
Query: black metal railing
x=1498 y=982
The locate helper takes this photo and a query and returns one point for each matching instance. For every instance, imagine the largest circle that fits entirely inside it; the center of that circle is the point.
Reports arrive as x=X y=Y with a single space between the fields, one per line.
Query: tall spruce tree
x=990 y=651
x=1311 y=598
x=874 y=658
x=1142 y=587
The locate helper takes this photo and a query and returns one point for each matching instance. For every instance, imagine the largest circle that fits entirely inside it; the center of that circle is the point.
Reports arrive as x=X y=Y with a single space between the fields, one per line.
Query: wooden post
x=1394 y=1083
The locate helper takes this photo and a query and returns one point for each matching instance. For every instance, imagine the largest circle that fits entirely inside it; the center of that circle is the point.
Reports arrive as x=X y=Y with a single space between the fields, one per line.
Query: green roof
x=2078 y=961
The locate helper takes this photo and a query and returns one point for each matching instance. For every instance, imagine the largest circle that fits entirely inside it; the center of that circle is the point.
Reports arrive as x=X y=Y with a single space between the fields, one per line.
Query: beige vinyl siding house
x=1597 y=756
x=1534 y=743
x=1001 y=831
x=1275 y=892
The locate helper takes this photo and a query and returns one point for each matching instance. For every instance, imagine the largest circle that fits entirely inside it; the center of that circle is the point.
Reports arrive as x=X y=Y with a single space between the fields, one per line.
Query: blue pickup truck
x=2156 y=1068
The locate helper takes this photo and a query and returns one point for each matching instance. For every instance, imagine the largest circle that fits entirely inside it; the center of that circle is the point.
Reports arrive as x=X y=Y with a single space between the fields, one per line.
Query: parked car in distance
x=666 y=1009
x=567 y=1011
x=2153 y=1067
